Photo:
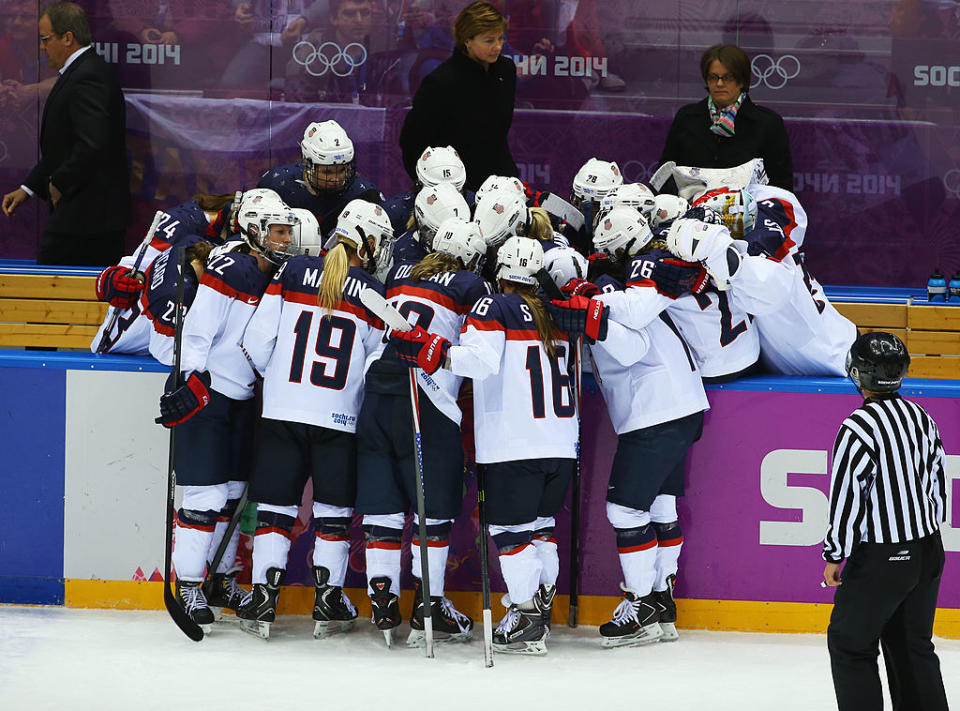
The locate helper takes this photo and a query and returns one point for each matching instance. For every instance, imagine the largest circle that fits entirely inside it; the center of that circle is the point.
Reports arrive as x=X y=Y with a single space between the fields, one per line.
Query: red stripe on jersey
x=518 y=549
x=160 y=327
x=274 y=529
x=437 y=297
x=298 y=297
x=481 y=325
x=643 y=282
x=194 y=526
x=332 y=537
x=787 y=229
x=431 y=544
x=516 y=334
x=668 y=542
x=636 y=549
x=158 y=244
x=219 y=285
x=274 y=287
x=384 y=545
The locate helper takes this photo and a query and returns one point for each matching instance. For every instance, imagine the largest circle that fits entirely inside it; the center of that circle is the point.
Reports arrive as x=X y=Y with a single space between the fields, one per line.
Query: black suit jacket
x=461 y=105
x=759 y=133
x=83 y=150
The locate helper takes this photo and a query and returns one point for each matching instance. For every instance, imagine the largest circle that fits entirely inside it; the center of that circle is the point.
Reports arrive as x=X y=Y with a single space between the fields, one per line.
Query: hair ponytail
x=336 y=266
x=546 y=328
x=435 y=263
x=540 y=226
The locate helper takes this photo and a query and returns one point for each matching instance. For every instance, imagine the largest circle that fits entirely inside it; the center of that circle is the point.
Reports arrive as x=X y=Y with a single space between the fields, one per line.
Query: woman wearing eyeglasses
x=727 y=129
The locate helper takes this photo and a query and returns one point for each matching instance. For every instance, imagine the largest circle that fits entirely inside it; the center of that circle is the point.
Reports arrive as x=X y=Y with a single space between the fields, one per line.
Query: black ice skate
x=667 y=609
x=223 y=593
x=386 y=608
x=546 y=593
x=259 y=609
x=191 y=597
x=522 y=630
x=332 y=609
x=449 y=624
x=635 y=621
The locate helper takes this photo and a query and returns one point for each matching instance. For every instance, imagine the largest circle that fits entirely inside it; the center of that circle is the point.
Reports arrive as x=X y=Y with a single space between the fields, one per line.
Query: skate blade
x=536 y=648
x=418 y=638
x=388 y=636
x=257 y=628
x=224 y=614
x=670 y=633
x=641 y=639
x=325 y=628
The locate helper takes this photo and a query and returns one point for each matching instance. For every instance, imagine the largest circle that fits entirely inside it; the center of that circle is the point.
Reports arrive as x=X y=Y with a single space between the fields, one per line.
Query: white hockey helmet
x=259 y=209
x=635 y=195
x=328 y=157
x=501 y=215
x=564 y=264
x=737 y=207
x=433 y=205
x=462 y=239
x=622 y=231
x=519 y=259
x=596 y=179
x=666 y=208
x=307 y=233
x=500 y=183
x=441 y=165
x=366 y=226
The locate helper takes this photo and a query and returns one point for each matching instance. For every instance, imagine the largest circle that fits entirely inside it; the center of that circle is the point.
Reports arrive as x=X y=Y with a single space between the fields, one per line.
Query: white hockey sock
x=521 y=568
x=234 y=490
x=670 y=538
x=438 y=547
x=271 y=543
x=637 y=546
x=639 y=568
x=193 y=535
x=546 y=545
x=383 y=534
x=331 y=548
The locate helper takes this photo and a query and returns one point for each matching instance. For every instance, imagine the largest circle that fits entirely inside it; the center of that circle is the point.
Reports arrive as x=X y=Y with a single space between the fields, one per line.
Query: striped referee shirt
x=888 y=477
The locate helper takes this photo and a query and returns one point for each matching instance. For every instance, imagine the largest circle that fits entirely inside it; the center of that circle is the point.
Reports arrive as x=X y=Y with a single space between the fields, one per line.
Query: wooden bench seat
x=48 y=309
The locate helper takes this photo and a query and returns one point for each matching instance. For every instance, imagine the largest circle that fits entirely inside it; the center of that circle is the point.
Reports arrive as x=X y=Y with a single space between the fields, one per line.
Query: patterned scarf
x=723 y=119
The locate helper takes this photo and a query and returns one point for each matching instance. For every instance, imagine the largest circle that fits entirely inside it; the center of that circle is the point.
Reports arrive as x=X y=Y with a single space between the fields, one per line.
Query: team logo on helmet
x=426 y=154
x=311 y=132
x=377 y=211
x=607 y=225
x=431 y=199
x=498 y=208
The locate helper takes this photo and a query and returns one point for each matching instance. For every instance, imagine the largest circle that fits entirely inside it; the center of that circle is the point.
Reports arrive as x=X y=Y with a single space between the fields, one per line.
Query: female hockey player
x=437 y=292
x=312 y=351
x=214 y=406
x=526 y=431
x=433 y=205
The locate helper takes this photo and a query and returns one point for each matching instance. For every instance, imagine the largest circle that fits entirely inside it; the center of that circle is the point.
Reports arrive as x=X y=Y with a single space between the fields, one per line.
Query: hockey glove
x=673 y=277
x=118 y=286
x=766 y=242
x=180 y=405
x=580 y=287
x=581 y=315
x=421 y=349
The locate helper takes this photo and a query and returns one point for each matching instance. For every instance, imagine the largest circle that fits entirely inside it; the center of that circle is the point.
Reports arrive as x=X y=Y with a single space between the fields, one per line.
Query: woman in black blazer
x=467 y=102
x=726 y=128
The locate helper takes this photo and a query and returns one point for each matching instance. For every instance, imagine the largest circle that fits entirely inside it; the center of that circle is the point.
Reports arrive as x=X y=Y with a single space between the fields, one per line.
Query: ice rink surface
x=74 y=660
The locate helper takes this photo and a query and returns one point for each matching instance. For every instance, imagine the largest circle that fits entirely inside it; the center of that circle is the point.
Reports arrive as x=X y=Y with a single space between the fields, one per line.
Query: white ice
x=66 y=659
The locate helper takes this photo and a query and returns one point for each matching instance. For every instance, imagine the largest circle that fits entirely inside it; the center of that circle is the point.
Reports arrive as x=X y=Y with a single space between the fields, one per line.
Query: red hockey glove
x=580 y=287
x=581 y=315
x=180 y=405
x=421 y=349
x=118 y=286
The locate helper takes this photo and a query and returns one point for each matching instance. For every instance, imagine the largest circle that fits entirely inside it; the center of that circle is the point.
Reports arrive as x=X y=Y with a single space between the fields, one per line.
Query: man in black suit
x=83 y=165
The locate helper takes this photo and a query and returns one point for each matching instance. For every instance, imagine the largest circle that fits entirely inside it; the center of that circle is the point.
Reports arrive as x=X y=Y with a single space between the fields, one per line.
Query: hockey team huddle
x=510 y=293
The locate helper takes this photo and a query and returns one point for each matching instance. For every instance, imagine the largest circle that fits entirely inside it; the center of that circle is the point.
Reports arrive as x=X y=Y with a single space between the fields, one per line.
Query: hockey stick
x=553 y=291
x=177 y=613
x=378 y=306
x=484 y=571
x=224 y=542
x=662 y=175
x=134 y=272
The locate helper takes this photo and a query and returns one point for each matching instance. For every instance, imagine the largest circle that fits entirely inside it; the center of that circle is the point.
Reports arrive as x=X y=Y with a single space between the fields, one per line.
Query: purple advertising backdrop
x=753 y=516
x=870 y=91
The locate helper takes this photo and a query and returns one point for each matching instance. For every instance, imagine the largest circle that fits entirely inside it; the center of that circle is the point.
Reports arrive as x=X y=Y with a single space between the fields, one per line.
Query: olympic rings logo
x=951 y=182
x=635 y=172
x=317 y=61
x=774 y=73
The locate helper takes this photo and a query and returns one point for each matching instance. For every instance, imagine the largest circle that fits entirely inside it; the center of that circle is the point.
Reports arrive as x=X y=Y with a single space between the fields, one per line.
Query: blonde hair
x=412 y=221
x=336 y=266
x=546 y=328
x=434 y=263
x=540 y=226
x=475 y=19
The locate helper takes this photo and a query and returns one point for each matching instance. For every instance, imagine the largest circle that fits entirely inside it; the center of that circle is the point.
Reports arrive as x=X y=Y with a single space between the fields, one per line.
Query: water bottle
x=937 y=287
x=954 y=294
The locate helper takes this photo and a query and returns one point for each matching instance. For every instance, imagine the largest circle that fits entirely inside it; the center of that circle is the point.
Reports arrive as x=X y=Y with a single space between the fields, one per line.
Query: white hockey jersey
x=230 y=289
x=313 y=363
x=649 y=376
x=522 y=400
x=440 y=305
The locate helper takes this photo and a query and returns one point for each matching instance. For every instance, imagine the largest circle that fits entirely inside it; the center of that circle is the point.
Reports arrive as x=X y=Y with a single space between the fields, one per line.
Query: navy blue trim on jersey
x=399 y=208
x=236 y=275
x=179 y=224
x=158 y=301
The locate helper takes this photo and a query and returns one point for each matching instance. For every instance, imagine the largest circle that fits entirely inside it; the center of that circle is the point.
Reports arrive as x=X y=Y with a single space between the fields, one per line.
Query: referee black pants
x=888 y=597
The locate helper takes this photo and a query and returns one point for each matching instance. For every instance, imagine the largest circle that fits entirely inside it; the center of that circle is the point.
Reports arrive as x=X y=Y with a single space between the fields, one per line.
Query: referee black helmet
x=878 y=362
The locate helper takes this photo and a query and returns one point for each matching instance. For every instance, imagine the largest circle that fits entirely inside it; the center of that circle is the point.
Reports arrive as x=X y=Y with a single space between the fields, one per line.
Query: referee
x=887 y=503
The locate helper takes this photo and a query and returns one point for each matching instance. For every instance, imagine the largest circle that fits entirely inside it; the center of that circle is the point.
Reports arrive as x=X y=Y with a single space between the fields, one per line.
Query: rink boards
x=84 y=485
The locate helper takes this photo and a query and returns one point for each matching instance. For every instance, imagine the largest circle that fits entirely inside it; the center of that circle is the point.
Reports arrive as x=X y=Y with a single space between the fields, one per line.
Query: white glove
x=711 y=245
